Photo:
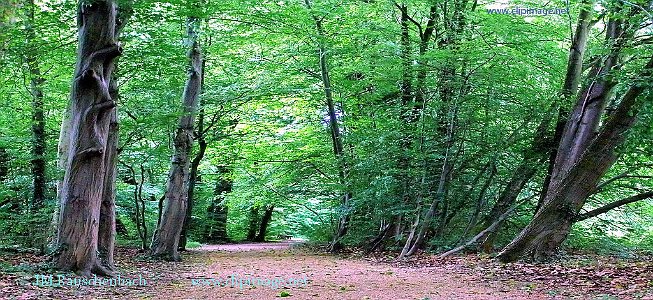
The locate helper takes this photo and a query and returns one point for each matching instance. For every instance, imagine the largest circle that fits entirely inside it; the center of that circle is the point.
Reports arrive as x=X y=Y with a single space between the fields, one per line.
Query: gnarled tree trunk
x=91 y=109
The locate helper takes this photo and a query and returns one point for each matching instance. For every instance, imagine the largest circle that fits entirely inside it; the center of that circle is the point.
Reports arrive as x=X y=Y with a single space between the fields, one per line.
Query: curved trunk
x=551 y=225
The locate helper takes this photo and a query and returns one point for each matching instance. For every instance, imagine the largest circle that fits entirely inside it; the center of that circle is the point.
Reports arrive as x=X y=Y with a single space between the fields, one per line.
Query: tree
x=91 y=108
x=38 y=118
x=543 y=142
x=588 y=146
x=166 y=237
x=335 y=130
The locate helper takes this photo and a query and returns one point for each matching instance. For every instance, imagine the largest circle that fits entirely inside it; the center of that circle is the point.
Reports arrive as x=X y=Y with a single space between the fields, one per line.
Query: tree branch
x=613 y=205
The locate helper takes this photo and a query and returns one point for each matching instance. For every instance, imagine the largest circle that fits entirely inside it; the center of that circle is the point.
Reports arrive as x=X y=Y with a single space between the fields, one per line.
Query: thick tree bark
x=569 y=87
x=584 y=120
x=89 y=121
x=552 y=223
x=166 y=238
x=265 y=221
x=107 y=226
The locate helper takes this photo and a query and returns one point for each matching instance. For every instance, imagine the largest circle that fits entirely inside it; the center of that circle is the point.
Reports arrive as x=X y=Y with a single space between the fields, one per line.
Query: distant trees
x=215 y=224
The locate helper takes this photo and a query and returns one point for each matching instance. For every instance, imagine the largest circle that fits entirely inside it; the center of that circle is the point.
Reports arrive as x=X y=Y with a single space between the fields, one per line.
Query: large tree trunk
x=542 y=143
x=166 y=238
x=265 y=221
x=585 y=152
x=565 y=197
x=90 y=116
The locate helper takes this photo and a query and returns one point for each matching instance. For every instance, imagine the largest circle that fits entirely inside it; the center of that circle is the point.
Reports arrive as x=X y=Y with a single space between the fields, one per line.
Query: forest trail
x=327 y=277
x=286 y=244
x=223 y=271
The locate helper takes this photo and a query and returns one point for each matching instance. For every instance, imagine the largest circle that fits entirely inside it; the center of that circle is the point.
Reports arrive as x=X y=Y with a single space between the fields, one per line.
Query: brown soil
x=327 y=277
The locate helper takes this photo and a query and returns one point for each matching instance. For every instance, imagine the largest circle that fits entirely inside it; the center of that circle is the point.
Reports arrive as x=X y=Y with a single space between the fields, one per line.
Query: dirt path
x=287 y=244
x=327 y=277
x=282 y=270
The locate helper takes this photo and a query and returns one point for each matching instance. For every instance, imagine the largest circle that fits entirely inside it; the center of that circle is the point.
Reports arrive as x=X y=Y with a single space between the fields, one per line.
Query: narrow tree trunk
x=216 y=225
x=253 y=223
x=90 y=117
x=166 y=238
x=532 y=159
x=194 y=165
x=38 y=117
x=265 y=221
x=336 y=137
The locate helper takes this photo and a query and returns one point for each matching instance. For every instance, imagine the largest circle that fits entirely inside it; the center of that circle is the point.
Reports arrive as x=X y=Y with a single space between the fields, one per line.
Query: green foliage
x=265 y=118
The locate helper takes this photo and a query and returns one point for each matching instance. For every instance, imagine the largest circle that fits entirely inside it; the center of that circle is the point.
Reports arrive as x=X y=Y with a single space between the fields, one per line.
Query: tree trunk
x=542 y=144
x=194 y=165
x=216 y=225
x=166 y=238
x=552 y=223
x=533 y=158
x=90 y=116
x=38 y=117
x=336 y=136
x=253 y=222
x=265 y=221
x=107 y=226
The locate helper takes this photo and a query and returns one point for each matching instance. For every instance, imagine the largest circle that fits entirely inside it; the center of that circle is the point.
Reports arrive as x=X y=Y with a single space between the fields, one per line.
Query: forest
x=326 y=149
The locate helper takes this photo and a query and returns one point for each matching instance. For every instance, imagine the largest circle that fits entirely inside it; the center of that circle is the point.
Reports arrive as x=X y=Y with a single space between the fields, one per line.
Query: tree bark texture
x=90 y=114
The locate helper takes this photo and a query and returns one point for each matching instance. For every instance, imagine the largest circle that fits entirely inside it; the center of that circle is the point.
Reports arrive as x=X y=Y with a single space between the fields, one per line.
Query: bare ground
x=327 y=277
